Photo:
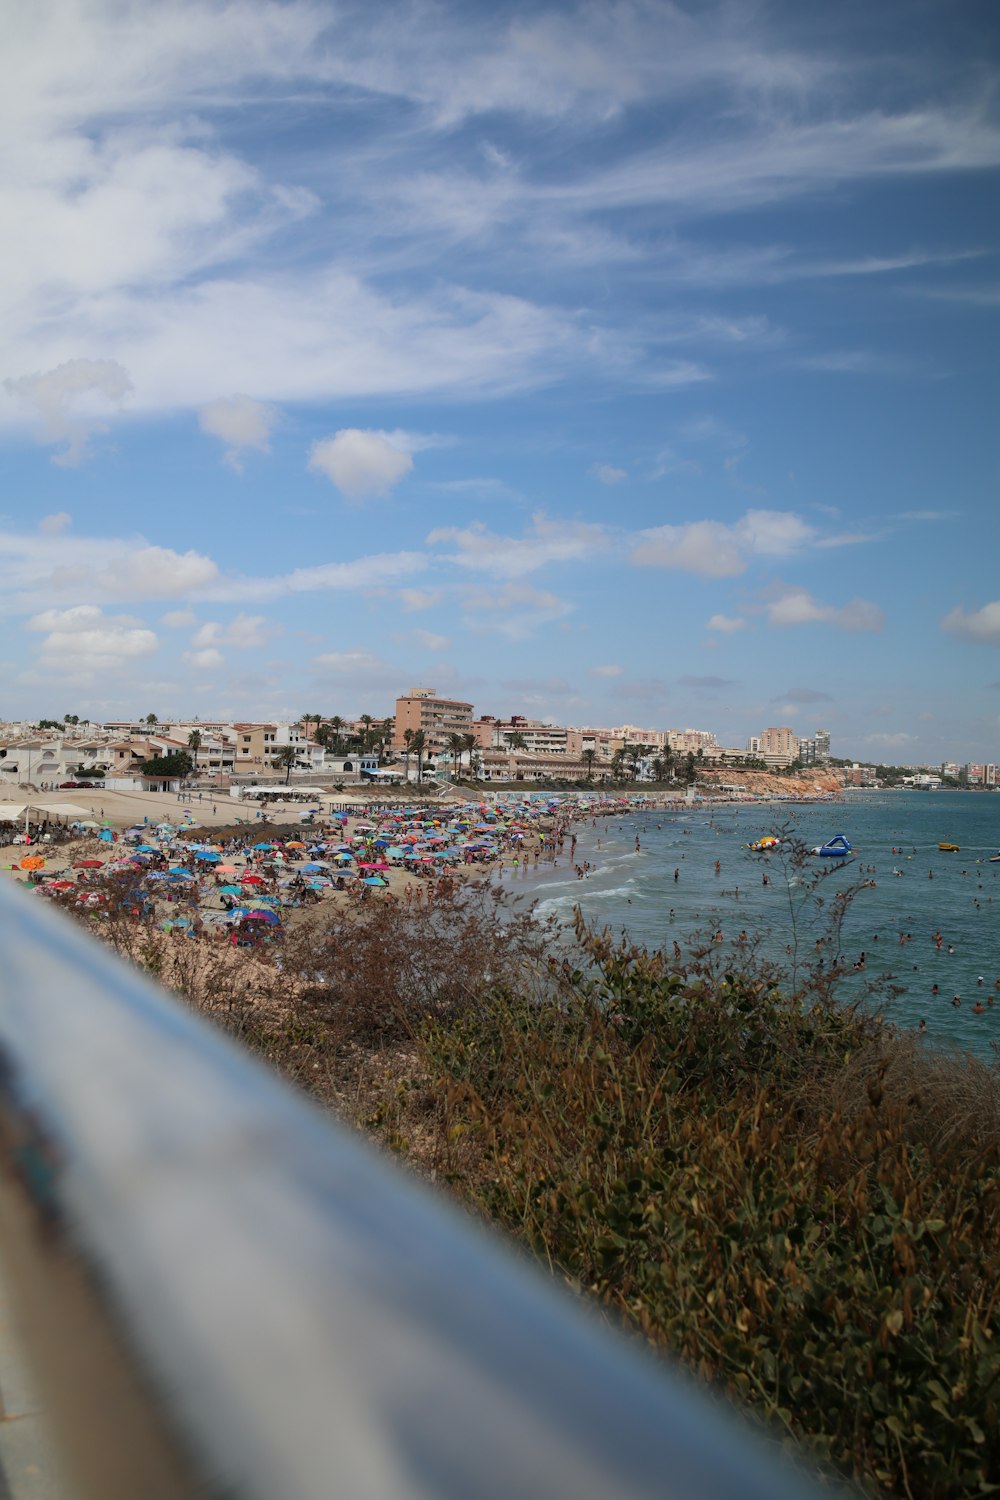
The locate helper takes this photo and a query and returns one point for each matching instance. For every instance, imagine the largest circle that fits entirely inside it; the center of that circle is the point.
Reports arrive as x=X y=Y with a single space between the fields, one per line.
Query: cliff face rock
x=807 y=784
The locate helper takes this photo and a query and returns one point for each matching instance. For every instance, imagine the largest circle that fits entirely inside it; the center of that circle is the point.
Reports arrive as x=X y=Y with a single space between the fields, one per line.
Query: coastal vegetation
x=778 y=1188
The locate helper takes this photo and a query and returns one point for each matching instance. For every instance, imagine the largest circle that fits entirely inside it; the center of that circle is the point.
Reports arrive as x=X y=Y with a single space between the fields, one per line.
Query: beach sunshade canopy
x=32 y=862
x=375 y=880
x=89 y=864
x=253 y=879
x=231 y=890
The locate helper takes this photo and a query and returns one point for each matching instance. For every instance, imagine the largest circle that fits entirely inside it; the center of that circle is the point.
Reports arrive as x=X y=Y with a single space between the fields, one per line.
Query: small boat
x=836 y=848
x=949 y=848
x=995 y=858
x=764 y=845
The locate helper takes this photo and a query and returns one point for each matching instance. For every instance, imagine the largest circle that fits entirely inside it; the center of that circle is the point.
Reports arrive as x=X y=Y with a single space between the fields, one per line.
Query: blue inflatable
x=836 y=848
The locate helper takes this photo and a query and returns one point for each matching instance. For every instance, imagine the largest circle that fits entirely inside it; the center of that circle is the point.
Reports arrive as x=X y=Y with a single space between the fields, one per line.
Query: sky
x=617 y=363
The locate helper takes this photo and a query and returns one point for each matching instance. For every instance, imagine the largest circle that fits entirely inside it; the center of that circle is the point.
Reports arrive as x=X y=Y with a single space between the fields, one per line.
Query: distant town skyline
x=601 y=364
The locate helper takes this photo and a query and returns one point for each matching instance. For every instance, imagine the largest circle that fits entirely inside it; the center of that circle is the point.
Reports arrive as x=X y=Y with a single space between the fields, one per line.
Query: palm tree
x=336 y=724
x=366 y=733
x=515 y=740
x=194 y=744
x=408 y=746
x=469 y=743
x=658 y=768
x=286 y=757
x=385 y=736
x=588 y=757
x=618 y=764
x=456 y=744
x=417 y=742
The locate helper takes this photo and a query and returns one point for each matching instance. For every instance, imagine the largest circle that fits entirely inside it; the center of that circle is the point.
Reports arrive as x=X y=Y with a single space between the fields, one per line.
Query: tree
x=177 y=763
x=336 y=724
x=658 y=768
x=286 y=756
x=408 y=747
x=618 y=764
x=588 y=757
x=456 y=744
x=469 y=744
x=417 y=743
x=366 y=733
x=689 y=770
x=151 y=719
x=194 y=743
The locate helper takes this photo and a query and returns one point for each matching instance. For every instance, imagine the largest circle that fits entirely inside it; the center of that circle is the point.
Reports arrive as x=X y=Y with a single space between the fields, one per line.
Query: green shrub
x=739 y=1177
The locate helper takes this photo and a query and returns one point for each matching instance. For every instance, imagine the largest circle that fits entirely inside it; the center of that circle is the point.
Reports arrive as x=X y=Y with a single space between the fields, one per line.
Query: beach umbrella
x=375 y=880
x=252 y=879
x=32 y=862
x=260 y=915
x=58 y=885
x=207 y=855
x=106 y=835
x=89 y=864
x=231 y=890
x=315 y=864
x=295 y=844
x=263 y=846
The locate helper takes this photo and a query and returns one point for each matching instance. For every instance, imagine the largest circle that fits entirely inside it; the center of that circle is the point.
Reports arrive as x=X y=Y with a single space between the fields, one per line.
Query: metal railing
x=227 y=1295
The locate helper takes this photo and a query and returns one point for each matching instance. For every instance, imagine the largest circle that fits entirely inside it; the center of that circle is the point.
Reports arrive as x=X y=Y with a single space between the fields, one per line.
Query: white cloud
x=611 y=670
x=361 y=464
x=705 y=547
x=241 y=423
x=608 y=474
x=84 y=641
x=242 y=632
x=514 y=557
x=349 y=663
x=414 y=600
x=516 y=610
x=52 y=525
x=429 y=640
x=208 y=660
x=178 y=619
x=796 y=606
x=980 y=625
x=156 y=573
x=715 y=549
x=71 y=401
x=888 y=741
x=726 y=624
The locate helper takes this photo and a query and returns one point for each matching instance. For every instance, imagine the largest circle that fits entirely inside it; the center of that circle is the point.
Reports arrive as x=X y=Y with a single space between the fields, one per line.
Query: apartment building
x=539 y=738
x=422 y=709
x=690 y=741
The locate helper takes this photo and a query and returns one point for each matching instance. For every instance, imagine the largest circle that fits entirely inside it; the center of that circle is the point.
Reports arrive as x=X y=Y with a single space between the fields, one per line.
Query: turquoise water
x=635 y=891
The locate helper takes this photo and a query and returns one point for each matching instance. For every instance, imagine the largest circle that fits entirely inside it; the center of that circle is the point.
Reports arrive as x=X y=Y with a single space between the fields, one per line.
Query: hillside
x=808 y=784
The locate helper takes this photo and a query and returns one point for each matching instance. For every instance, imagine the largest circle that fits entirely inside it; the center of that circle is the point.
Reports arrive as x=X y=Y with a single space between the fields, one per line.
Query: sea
x=674 y=873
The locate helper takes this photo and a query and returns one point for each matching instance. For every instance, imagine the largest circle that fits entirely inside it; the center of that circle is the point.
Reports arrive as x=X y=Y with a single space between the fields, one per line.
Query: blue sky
x=607 y=363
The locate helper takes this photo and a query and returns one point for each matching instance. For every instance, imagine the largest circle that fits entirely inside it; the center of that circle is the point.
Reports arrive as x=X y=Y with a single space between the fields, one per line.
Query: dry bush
x=374 y=971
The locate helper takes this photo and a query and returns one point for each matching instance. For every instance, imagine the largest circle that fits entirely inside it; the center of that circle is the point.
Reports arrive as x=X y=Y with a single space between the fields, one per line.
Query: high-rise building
x=822 y=738
x=421 y=708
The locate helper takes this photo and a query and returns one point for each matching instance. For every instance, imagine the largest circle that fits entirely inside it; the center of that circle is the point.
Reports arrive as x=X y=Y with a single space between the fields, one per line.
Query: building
x=437 y=718
x=539 y=739
x=783 y=741
x=690 y=741
x=822 y=742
